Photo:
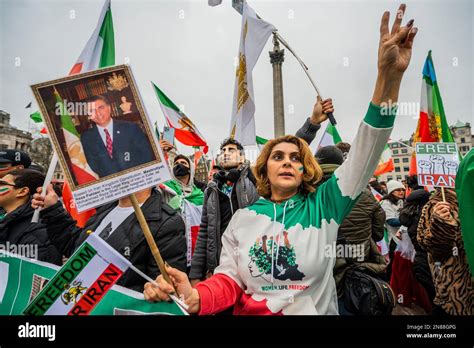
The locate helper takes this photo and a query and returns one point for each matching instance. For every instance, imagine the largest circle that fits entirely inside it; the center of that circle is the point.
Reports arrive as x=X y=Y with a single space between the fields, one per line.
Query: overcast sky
x=187 y=48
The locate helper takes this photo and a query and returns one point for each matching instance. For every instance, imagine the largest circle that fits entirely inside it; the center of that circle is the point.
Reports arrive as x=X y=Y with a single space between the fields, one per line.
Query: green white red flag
x=82 y=282
x=22 y=279
x=82 y=172
x=99 y=52
x=330 y=137
x=190 y=207
x=432 y=124
x=386 y=162
x=185 y=130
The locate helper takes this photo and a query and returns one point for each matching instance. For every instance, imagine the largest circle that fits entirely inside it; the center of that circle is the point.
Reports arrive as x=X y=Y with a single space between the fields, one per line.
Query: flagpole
x=305 y=69
x=149 y=238
x=320 y=140
x=174 y=298
x=47 y=181
x=205 y=163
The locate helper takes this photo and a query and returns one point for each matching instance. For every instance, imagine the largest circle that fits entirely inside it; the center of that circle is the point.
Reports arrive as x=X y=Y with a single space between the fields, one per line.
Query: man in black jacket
x=16 y=229
x=232 y=189
x=117 y=224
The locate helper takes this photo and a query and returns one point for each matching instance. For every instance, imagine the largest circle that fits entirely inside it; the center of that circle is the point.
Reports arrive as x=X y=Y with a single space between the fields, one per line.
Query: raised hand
x=394 y=56
x=395 y=46
x=320 y=110
x=165 y=146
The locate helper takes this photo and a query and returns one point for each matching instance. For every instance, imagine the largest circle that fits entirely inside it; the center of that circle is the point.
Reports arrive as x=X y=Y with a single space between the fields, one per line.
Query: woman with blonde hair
x=275 y=257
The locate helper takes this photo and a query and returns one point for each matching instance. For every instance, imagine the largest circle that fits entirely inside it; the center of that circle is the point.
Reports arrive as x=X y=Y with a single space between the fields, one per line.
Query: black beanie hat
x=329 y=155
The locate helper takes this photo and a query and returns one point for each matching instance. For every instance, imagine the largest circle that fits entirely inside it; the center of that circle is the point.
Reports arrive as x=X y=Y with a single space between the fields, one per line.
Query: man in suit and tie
x=111 y=146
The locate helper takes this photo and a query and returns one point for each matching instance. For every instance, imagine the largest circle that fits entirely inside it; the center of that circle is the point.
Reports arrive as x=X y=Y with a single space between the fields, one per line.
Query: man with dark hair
x=232 y=188
x=111 y=146
x=11 y=160
x=16 y=228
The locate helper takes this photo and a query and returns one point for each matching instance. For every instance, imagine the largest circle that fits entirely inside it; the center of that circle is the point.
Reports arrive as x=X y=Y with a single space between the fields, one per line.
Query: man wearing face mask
x=183 y=194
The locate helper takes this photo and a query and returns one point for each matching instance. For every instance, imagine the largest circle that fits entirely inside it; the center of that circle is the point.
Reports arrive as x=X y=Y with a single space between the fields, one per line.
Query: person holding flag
x=312 y=124
x=272 y=259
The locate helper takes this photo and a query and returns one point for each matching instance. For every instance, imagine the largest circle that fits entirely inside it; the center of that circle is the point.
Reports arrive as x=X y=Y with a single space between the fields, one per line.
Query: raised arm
x=394 y=53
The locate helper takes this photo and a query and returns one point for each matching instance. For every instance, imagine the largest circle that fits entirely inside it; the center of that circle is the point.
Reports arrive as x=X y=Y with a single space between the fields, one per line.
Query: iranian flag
x=37 y=118
x=185 y=130
x=82 y=172
x=376 y=195
x=99 y=52
x=191 y=211
x=82 y=282
x=198 y=153
x=385 y=163
x=100 y=49
x=330 y=137
x=22 y=279
x=432 y=124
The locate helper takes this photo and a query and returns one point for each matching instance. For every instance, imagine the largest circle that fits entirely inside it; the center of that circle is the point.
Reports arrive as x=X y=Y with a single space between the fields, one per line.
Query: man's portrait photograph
x=97 y=124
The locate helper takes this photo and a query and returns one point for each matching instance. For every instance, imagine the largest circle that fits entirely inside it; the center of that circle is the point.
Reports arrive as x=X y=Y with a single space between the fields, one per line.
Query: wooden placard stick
x=442 y=193
x=149 y=238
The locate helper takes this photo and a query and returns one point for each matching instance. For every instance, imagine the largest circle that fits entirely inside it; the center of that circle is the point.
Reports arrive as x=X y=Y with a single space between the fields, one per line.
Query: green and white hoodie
x=279 y=258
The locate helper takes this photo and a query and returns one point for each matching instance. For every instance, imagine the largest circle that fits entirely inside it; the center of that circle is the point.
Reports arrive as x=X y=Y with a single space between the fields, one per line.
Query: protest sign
x=437 y=164
x=102 y=135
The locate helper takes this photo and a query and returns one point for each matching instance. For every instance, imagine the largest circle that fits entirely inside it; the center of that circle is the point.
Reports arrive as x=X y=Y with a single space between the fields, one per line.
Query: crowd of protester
x=261 y=243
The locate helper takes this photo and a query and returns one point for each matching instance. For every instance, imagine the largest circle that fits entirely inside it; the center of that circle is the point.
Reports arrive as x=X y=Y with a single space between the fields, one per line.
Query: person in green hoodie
x=276 y=254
